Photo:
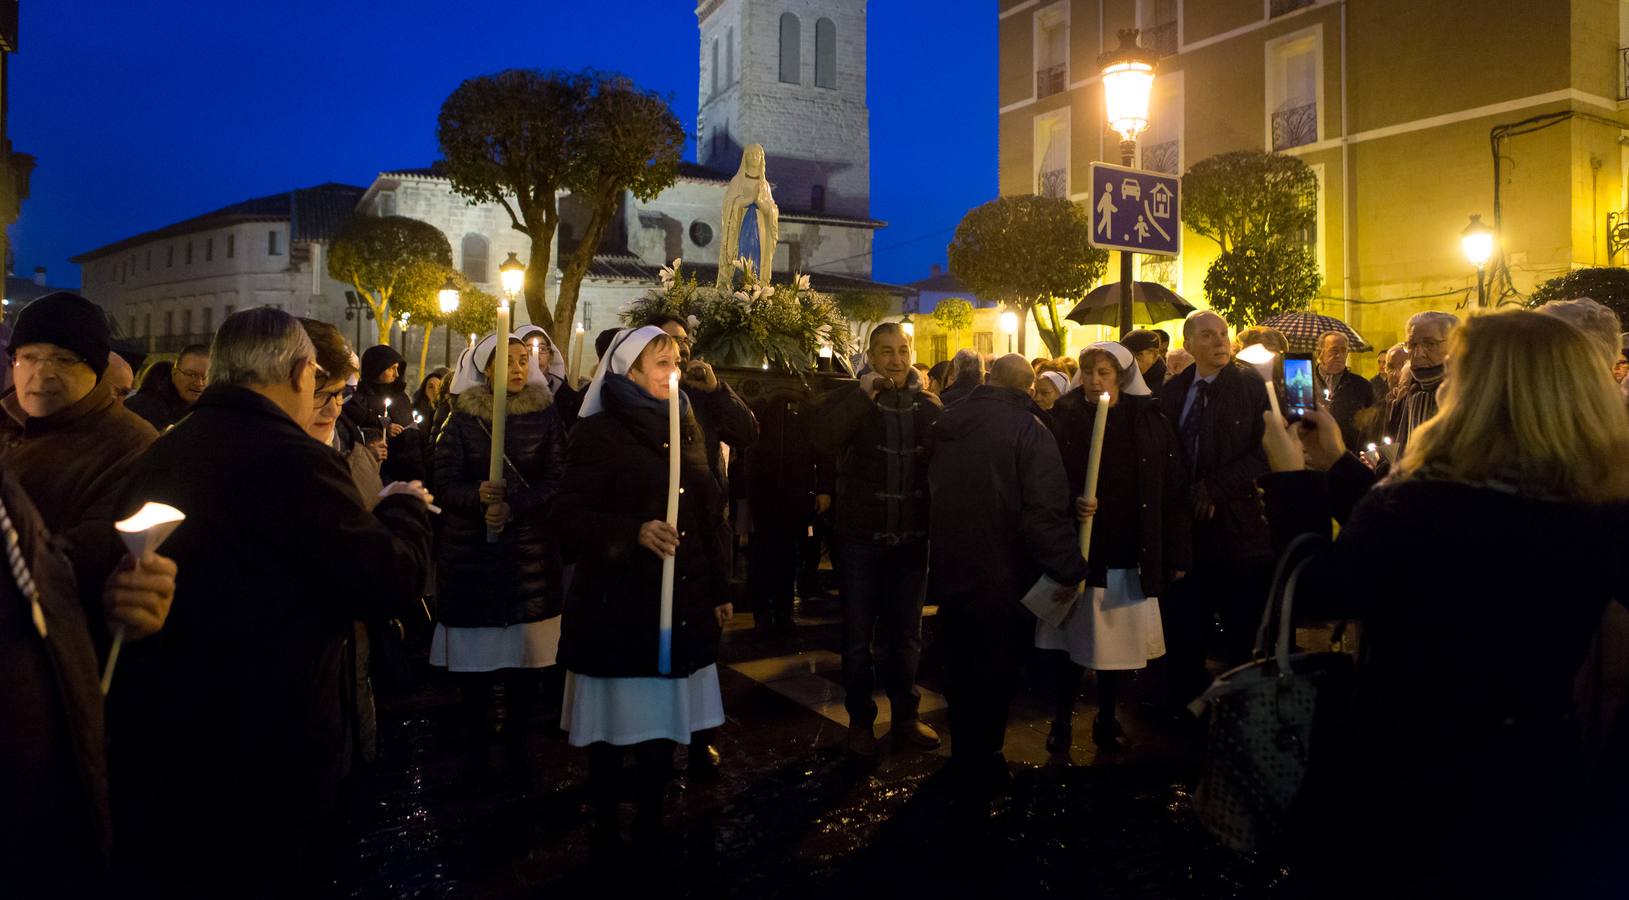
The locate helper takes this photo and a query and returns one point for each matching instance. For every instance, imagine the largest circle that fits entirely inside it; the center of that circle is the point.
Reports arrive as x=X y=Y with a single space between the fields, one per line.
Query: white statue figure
x=752 y=222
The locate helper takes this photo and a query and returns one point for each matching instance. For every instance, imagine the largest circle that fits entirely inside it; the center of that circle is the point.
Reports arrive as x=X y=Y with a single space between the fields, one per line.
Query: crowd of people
x=326 y=504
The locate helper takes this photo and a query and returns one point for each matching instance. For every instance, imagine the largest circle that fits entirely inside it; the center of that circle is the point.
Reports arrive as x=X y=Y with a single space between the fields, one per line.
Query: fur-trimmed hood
x=477 y=401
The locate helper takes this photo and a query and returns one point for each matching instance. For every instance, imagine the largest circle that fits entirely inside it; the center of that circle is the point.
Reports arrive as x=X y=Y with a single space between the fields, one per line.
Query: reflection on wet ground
x=789 y=814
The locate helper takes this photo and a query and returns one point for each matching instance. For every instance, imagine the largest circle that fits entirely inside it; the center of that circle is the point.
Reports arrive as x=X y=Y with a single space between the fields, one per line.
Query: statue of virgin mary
x=752 y=222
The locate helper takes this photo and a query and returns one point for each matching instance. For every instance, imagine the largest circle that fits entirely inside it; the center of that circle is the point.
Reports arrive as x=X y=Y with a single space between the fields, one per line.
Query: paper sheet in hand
x=1051 y=602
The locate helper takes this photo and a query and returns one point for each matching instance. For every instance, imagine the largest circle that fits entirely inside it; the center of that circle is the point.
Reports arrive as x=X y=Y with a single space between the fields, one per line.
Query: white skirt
x=1113 y=627
x=626 y=711
x=532 y=645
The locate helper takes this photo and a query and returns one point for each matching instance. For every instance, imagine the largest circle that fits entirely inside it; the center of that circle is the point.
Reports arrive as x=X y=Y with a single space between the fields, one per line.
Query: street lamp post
x=1128 y=80
x=907 y=326
x=1009 y=324
x=1477 y=242
x=447 y=297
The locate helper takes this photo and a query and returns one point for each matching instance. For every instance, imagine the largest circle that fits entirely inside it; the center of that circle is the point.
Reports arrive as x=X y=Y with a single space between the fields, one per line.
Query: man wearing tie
x=1217 y=408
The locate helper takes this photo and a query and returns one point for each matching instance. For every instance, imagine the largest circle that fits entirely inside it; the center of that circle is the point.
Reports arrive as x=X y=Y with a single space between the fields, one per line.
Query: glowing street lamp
x=447 y=298
x=1128 y=82
x=1009 y=324
x=907 y=326
x=512 y=275
x=1477 y=242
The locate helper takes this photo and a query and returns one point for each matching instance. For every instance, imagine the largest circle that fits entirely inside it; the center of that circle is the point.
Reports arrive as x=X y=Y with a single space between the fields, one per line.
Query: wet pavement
x=790 y=815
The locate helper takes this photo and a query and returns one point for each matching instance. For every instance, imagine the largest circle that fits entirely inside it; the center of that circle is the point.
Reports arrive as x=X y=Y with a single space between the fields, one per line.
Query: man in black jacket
x=1340 y=390
x=166 y=403
x=228 y=731
x=879 y=431
x=1001 y=518
x=1217 y=408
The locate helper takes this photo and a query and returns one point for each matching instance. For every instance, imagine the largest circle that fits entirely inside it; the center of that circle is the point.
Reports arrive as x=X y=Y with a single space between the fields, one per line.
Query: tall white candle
x=500 y=401
x=664 y=651
x=1094 y=459
x=576 y=354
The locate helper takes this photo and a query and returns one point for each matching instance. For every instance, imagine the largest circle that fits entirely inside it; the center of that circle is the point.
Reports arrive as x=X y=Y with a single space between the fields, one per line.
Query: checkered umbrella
x=1303 y=328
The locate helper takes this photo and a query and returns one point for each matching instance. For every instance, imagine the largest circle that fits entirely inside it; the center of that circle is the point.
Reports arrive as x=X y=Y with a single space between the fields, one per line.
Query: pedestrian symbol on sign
x=1105 y=211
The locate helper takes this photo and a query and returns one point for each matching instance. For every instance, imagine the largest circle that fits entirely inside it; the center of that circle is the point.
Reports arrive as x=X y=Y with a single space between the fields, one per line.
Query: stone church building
x=788 y=75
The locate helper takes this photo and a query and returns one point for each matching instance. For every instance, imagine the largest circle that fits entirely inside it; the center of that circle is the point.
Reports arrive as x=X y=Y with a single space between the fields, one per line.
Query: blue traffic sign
x=1135 y=210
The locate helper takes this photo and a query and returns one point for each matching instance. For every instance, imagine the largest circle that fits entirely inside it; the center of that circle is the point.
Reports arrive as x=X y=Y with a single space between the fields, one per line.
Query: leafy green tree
x=954 y=315
x=521 y=137
x=1247 y=193
x=1606 y=286
x=1260 y=278
x=1028 y=252
x=392 y=261
x=477 y=311
x=862 y=307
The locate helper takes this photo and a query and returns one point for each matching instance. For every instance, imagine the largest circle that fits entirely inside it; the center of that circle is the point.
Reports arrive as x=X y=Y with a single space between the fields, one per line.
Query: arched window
x=474 y=251
x=791 y=45
x=825 y=54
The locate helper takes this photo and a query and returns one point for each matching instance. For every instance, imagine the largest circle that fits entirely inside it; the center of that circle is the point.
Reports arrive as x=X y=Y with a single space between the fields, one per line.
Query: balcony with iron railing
x=1052 y=183
x=1051 y=80
x=1295 y=126
x=1165 y=156
x=1284 y=7
x=1162 y=38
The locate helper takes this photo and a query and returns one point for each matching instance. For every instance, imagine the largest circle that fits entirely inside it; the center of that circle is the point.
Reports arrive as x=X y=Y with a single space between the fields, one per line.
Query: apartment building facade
x=1400 y=108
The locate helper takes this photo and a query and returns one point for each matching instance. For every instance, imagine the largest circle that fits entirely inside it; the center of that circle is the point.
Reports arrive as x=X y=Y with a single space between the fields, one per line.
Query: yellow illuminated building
x=1399 y=107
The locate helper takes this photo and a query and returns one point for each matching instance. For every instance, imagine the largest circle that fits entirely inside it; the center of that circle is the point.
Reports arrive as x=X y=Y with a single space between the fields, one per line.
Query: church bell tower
x=790 y=75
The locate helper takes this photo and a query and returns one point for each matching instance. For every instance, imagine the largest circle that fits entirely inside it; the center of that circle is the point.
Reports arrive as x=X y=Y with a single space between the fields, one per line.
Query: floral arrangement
x=781 y=326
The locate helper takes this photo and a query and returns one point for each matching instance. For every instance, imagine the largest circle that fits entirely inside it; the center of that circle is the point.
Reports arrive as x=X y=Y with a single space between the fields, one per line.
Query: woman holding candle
x=498 y=603
x=549 y=369
x=1140 y=537
x=616 y=495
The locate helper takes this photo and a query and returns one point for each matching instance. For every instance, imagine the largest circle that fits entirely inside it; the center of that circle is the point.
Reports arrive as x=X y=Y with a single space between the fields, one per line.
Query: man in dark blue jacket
x=1001 y=519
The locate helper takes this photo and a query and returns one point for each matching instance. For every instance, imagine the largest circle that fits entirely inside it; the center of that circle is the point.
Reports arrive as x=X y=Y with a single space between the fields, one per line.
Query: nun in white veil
x=548 y=368
x=1141 y=536
x=615 y=499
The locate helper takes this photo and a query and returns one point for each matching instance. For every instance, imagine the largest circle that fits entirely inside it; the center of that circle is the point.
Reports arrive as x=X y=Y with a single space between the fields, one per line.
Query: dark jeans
x=772 y=571
x=988 y=645
x=1232 y=591
x=883 y=586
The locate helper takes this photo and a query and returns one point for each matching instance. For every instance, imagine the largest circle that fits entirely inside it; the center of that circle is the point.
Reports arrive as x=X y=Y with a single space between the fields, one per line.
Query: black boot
x=477 y=692
x=1106 y=731
x=1108 y=735
x=654 y=766
x=1066 y=687
x=520 y=702
x=605 y=789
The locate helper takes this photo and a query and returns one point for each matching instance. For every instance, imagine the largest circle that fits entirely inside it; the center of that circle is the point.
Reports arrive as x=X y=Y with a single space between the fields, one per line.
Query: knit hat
x=68 y=321
x=1140 y=340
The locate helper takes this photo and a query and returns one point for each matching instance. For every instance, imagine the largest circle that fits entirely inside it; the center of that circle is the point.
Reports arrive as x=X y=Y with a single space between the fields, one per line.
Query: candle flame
x=1387 y=440
x=1371 y=446
x=579 y=328
x=150 y=515
x=1105 y=397
x=673 y=379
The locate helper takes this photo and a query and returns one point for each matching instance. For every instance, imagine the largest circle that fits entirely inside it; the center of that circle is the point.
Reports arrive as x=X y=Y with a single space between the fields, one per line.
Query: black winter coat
x=1350 y=395
x=230 y=719
x=1230 y=461
x=517 y=579
x=616 y=480
x=724 y=418
x=783 y=470
x=1458 y=771
x=1001 y=514
x=366 y=409
x=1165 y=514
x=882 y=447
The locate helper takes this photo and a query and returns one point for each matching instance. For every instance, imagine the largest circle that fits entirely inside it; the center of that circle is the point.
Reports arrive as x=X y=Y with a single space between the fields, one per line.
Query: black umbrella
x=1151 y=302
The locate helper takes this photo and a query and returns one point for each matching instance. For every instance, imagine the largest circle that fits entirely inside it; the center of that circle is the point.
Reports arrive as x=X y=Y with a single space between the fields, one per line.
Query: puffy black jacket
x=882 y=447
x=367 y=409
x=517 y=579
x=616 y=480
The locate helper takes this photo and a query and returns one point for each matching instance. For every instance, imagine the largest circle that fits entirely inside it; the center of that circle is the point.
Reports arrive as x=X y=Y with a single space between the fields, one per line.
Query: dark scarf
x=1420 y=400
x=641 y=413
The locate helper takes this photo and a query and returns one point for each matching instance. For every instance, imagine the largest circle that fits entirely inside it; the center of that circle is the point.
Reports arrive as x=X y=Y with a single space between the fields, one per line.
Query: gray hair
x=1598 y=322
x=258 y=346
x=1012 y=371
x=1335 y=332
x=1448 y=321
x=967 y=364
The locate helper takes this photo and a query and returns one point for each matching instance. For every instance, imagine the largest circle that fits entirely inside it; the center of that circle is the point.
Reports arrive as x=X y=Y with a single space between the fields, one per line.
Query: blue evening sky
x=146 y=113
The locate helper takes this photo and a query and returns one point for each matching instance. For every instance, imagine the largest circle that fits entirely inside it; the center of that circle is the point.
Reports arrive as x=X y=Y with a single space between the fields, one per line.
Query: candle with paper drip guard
x=576 y=355
x=1388 y=449
x=1262 y=359
x=1094 y=460
x=385 y=419
x=664 y=637
x=142 y=534
x=500 y=401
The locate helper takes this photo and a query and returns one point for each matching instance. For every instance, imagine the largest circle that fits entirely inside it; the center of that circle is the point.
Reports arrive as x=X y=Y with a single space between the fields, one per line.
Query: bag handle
x=1286 y=625
x=1276 y=597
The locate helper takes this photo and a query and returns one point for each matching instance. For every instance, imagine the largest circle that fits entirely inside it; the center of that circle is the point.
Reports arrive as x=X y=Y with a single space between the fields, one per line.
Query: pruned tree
x=954 y=315
x=1247 y=193
x=1608 y=286
x=391 y=261
x=1260 y=278
x=477 y=310
x=863 y=307
x=1028 y=252
x=521 y=137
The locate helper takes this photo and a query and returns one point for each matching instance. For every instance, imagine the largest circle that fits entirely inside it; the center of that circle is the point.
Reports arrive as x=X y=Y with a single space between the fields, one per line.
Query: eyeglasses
x=1430 y=344
x=190 y=375
x=58 y=361
x=341 y=393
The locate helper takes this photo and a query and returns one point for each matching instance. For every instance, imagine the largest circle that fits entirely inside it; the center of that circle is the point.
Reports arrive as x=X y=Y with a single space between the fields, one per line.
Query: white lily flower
x=803 y=282
x=692 y=322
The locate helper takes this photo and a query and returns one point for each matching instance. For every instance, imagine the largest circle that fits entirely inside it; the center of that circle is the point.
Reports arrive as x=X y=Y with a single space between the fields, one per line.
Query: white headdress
x=1131 y=377
x=1058 y=380
x=557 y=360
x=619 y=358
